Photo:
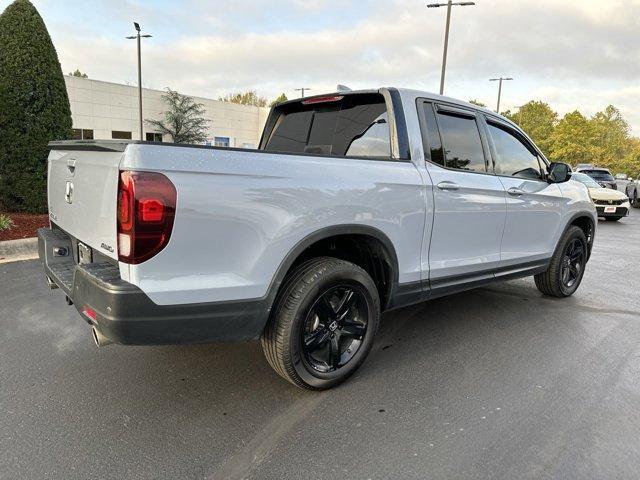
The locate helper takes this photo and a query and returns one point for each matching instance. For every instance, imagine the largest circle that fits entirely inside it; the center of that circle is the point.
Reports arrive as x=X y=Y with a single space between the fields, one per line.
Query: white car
x=610 y=204
x=355 y=203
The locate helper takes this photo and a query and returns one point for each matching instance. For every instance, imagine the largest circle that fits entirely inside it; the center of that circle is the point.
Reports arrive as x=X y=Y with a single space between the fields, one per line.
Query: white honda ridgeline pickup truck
x=354 y=203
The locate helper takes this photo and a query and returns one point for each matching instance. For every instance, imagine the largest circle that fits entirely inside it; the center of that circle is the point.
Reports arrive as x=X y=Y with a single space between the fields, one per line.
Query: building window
x=221 y=141
x=116 y=134
x=248 y=146
x=82 y=134
x=153 y=137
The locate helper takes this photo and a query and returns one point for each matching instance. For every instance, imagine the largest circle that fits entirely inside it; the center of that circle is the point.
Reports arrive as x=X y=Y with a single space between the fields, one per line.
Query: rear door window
x=430 y=135
x=461 y=142
x=352 y=126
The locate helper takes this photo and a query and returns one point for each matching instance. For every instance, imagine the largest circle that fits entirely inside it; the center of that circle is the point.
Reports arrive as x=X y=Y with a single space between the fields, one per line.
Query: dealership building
x=105 y=110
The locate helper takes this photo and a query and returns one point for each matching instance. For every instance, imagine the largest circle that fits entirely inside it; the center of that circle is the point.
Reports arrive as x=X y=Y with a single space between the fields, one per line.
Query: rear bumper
x=621 y=211
x=126 y=315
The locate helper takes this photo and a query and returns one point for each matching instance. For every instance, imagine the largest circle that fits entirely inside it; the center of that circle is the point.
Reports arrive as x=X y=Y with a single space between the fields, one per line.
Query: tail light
x=146 y=208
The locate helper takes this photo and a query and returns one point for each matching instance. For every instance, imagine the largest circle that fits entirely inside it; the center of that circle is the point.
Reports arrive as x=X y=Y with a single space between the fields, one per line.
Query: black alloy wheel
x=334 y=328
x=572 y=263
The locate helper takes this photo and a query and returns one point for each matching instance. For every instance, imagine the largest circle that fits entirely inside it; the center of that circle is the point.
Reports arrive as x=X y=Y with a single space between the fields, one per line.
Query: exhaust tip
x=99 y=339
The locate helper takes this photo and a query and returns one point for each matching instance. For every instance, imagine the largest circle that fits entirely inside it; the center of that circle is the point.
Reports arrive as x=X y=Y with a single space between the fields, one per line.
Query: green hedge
x=34 y=107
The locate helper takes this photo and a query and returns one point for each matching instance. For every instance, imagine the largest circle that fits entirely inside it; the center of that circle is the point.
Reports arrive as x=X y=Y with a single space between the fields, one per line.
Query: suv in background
x=633 y=192
x=600 y=175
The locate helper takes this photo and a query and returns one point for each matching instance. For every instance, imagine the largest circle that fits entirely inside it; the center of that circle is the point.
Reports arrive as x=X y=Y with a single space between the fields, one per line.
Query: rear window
x=600 y=175
x=353 y=126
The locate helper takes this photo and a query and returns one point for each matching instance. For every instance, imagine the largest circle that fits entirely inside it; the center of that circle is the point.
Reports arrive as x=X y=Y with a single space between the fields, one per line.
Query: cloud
x=574 y=54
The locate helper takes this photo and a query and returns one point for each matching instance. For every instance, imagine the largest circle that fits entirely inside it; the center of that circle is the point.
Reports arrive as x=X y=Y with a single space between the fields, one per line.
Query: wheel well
x=586 y=224
x=366 y=251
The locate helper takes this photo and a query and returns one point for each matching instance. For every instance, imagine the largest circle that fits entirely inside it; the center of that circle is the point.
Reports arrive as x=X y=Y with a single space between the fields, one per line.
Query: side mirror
x=559 y=172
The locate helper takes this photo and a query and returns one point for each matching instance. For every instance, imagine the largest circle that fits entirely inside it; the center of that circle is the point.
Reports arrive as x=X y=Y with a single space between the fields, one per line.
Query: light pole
x=138 y=37
x=449 y=4
x=501 y=79
x=302 y=90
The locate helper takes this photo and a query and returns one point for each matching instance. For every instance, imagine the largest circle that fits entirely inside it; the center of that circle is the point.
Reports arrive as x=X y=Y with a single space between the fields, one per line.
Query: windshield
x=585 y=179
x=600 y=175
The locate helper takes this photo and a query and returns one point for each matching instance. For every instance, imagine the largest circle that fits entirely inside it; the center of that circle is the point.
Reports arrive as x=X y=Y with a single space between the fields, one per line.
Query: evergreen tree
x=183 y=120
x=34 y=107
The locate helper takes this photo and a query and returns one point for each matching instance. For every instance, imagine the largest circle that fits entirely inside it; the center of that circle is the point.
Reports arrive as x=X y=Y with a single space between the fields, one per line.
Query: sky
x=573 y=54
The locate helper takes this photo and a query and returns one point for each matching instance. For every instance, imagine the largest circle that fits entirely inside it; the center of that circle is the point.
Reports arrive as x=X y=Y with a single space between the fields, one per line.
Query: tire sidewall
x=363 y=282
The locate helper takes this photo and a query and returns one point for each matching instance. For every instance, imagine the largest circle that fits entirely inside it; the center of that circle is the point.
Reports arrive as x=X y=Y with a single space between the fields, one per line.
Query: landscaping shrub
x=34 y=107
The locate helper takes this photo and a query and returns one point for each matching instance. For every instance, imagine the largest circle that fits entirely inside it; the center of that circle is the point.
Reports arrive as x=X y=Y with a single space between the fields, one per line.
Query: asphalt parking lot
x=497 y=383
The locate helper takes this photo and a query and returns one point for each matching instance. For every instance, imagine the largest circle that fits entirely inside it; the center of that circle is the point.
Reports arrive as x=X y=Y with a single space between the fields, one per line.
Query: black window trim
x=488 y=120
x=439 y=106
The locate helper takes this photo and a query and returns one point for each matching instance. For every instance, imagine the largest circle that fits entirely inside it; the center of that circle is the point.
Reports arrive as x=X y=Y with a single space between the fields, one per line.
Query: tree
x=78 y=73
x=280 y=99
x=250 y=97
x=538 y=121
x=477 y=103
x=630 y=164
x=573 y=140
x=34 y=107
x=611 y=133
x=183 y=119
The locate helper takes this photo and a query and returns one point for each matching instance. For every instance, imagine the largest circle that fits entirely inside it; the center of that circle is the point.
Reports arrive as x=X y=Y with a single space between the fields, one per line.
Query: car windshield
x=599 y=175
x=585 y=179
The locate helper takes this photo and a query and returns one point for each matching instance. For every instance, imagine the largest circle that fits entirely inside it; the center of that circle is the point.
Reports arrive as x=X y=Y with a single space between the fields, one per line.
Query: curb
x=21 y=249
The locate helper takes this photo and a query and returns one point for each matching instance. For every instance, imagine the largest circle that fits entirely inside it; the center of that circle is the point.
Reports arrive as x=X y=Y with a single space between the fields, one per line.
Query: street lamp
x=500 y=79
x=449 y=4
x=302 y=90
x=138 y=37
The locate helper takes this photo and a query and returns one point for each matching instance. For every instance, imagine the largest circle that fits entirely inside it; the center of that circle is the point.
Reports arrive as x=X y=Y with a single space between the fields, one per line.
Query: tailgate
x=82 y=191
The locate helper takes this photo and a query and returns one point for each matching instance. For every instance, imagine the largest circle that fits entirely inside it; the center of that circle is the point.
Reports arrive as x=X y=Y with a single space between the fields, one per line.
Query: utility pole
x=500 y=80
x=449 y=4
x=302 y=89
x=138 y=37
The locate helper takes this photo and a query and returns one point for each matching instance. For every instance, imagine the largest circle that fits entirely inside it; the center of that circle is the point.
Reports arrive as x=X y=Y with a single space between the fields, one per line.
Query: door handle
x=446 y=185
x=516 y=192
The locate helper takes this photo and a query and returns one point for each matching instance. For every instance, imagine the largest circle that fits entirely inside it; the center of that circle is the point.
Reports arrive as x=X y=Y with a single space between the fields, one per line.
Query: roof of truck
x=413 y=93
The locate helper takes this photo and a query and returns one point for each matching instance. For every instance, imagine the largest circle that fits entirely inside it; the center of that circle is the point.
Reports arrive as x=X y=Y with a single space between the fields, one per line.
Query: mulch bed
x=25 y=225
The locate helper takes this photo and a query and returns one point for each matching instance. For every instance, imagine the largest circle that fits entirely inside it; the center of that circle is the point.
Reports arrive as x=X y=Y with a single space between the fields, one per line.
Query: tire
x=314 y=317
x=553 y=281
x=612 y=219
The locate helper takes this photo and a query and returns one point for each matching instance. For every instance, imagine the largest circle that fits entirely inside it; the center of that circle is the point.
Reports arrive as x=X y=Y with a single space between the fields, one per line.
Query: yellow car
x=610 y=204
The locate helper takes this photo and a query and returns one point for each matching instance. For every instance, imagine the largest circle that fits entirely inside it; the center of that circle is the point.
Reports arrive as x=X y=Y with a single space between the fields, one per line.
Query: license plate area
x=85 y=254
x=610 y=209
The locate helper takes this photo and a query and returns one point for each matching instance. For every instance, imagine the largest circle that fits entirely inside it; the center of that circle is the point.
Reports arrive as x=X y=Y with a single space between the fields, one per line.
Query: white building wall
x=105 y=107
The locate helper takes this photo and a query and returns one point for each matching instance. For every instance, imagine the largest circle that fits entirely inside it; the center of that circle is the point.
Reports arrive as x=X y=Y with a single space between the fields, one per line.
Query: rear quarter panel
x=239 y=213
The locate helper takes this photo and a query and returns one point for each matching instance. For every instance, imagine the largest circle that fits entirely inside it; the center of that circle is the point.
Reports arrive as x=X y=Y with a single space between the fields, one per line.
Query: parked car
x=600 y=175
x=621 y=176
x=610 y=204
x=355 y=203
x=633 y=192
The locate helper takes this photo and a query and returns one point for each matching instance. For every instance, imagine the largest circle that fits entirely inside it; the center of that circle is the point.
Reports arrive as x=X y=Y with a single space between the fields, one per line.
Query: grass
x=5 y=222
